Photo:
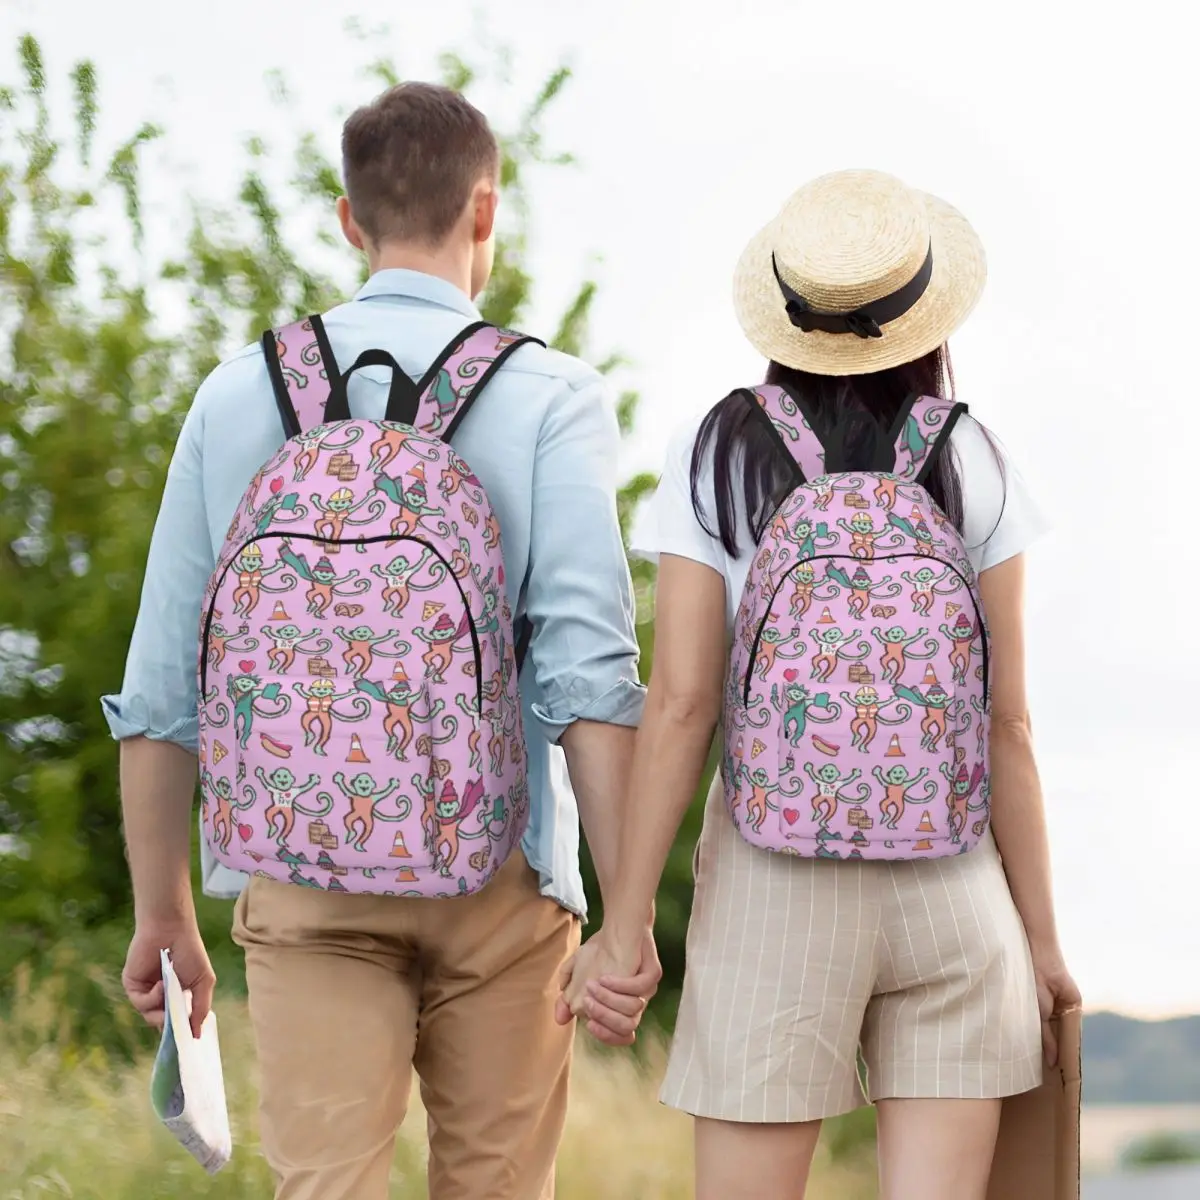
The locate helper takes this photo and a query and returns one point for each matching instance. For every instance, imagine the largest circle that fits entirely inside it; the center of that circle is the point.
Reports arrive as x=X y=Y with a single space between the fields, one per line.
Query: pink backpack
x=857 y=701
x=360 y=724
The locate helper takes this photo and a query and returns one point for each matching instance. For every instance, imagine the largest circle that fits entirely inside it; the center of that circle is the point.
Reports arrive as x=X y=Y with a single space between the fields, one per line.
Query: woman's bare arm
x=1018 y=814
x=683 y=705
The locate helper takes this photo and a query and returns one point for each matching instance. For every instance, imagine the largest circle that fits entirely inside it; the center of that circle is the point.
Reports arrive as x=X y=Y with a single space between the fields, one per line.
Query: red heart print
x=791 y=815
x=246 y=666
x=276 y=485
x=790 y=674
x=245 y=832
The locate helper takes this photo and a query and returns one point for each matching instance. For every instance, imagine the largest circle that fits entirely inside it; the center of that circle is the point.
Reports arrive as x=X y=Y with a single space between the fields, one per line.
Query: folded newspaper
x=187 y=1088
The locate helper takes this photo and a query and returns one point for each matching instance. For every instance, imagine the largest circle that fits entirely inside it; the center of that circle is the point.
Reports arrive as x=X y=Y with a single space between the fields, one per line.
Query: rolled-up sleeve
x=579 y=595
x=158 y=696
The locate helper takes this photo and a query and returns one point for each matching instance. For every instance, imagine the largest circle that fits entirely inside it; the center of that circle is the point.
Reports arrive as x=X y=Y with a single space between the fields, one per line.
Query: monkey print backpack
x=857 y=702
x=360 y=725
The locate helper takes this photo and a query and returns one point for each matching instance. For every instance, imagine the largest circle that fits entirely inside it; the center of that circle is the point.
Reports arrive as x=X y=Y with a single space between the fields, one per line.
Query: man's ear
x=486 y=199
x=350 y=229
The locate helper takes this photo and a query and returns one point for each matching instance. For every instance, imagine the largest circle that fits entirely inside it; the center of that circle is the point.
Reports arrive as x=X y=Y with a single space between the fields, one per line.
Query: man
x=349 y=992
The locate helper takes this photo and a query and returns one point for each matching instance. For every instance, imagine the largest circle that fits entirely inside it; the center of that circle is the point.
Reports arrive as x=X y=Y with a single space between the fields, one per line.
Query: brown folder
x=1037 y=1152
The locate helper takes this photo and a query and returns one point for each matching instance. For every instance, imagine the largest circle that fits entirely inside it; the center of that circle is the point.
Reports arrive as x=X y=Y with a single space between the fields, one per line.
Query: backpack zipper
x=851 y=558
x=367 y=541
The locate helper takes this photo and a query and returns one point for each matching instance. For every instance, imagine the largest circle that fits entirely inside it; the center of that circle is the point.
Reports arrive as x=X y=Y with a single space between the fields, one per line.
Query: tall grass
x=77 y=1123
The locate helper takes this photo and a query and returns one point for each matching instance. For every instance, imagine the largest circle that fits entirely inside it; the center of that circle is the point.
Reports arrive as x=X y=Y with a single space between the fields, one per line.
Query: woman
x=942 y=971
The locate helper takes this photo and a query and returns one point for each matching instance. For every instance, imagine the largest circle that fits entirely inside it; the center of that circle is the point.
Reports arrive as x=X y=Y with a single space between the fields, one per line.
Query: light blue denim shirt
x=543 y=439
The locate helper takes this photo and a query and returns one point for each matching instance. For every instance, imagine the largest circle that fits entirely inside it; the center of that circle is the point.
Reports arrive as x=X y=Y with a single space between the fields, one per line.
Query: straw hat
x=857 y=273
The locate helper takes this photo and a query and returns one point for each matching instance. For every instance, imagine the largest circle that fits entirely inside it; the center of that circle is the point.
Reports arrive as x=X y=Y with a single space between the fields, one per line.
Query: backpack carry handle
x=403 y=396
x=310 y=390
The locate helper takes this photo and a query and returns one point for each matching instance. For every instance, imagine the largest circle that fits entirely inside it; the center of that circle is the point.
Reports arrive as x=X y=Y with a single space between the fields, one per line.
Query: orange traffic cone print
x=357 y=754
x=923 y=844
x=399 y=674
x=406 y=875
x=826 y=617
x=926 y=825
x=893 y=750
x=916 y=513
x=399 y=849
x=930 y=676
x=279 y=613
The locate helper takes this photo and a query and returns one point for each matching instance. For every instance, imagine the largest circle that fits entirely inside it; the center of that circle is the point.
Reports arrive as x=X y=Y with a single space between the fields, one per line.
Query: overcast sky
x=1064 y=135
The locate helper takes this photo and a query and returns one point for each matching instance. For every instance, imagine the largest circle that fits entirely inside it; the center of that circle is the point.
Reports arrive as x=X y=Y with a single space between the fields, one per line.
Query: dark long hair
x=851 y=411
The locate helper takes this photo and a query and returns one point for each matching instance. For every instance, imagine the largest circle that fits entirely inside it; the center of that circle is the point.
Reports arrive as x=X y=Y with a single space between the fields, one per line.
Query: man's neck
x=448 y=263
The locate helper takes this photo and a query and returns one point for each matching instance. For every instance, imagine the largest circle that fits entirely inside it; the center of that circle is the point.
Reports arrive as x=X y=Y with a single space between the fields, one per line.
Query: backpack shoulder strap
x=922 y=431
x=460 y=373
x=783 y=414
x=301 y=365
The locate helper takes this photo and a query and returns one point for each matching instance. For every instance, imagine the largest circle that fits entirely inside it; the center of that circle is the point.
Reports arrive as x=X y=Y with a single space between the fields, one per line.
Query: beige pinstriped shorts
x=795 y=965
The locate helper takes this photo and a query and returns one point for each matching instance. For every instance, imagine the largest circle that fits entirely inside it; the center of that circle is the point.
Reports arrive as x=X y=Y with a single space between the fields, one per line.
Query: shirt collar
x=397 y=281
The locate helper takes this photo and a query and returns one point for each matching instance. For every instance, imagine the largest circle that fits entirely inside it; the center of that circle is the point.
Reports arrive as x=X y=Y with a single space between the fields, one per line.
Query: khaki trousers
x=348 y=993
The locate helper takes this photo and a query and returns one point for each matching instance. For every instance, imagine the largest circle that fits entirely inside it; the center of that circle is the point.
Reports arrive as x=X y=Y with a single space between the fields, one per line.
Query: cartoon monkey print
x=962 y=788
x=251 y=576
x=831 y=646
x=963 y=635
x=284 y=793
x=925 y=585
x=935 y=702
x=896 y=650
x=365 y=796
x=868 y=713
x=338 y=511
x=248 y=694
x=221 y=819
x=362 y=645
x=863 y=534
x=440 y=641
x=397 y=576
x=221 y=642
x=324 y=583
x=800 y=703
x=830 y=785
x=411 y=499
x=897 y=783
x=286 y=640
x=772 y=646
x=399 y=703
x=862 y=588
x=317 y=722
x=393 y=439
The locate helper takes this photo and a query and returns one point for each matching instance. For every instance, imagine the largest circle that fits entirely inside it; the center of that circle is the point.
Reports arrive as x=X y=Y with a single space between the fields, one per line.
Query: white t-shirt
x=1000 y=518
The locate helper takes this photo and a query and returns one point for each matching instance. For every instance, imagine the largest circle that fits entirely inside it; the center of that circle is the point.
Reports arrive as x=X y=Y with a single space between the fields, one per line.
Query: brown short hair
x=410 y=159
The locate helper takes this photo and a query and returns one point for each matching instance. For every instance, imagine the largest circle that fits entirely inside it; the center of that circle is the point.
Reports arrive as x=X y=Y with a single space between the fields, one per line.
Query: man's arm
x=584 y=652
x=579 y=598
x=598 y=759
x=155 y=718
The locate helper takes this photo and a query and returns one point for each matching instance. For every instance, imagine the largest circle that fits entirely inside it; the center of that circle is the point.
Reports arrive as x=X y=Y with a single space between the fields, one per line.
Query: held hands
x=142 y=977
x=609 y=987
